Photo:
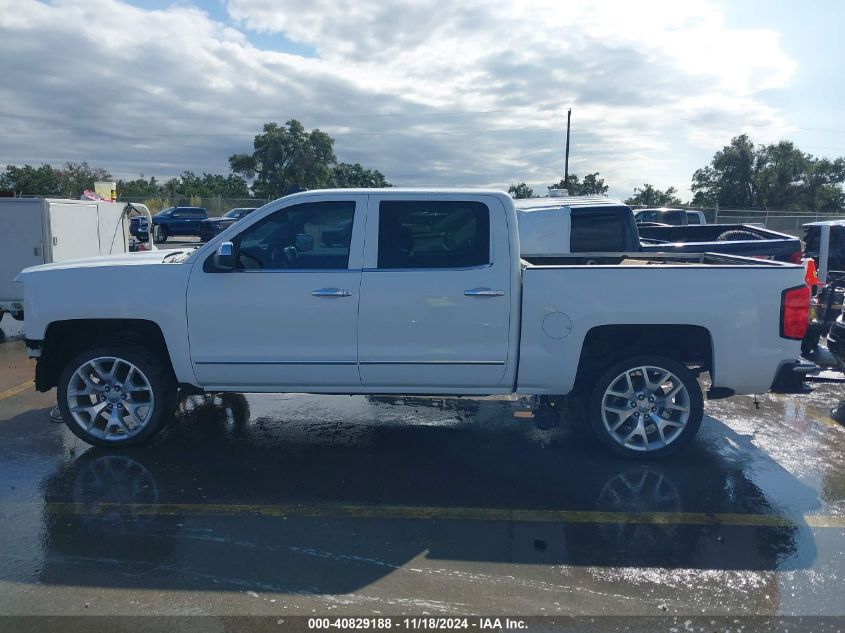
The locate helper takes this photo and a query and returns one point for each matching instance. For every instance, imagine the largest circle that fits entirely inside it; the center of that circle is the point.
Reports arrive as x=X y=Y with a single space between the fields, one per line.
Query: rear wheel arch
x=606 y=345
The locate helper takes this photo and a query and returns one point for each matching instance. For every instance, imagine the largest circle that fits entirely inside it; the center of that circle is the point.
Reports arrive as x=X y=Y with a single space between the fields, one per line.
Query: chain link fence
x=790 y=222
x=216 y=206
x=783 y=221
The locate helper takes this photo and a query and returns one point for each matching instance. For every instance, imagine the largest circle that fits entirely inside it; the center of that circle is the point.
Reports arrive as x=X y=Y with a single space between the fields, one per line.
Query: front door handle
x=483 y=292
x=331 y=292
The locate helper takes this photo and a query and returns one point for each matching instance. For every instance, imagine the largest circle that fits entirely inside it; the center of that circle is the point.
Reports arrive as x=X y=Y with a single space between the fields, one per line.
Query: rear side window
x=647 y=216
x=597 y=231
x=692 y=218
x=433 y=234
x=674 y=217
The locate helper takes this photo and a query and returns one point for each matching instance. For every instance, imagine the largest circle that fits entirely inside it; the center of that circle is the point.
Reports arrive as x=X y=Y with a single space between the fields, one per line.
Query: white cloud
x=475 y=91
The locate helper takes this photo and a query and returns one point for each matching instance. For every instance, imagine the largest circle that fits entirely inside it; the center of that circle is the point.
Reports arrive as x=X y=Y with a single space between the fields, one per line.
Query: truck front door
x=435 y=294
x=286 y=317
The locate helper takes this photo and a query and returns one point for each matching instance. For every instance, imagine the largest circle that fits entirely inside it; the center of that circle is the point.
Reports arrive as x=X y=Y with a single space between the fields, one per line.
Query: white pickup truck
x=409 y=291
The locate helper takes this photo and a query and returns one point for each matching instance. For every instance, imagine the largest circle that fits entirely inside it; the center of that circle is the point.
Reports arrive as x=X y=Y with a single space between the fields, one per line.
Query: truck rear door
x=74 y=230
x=435 y=293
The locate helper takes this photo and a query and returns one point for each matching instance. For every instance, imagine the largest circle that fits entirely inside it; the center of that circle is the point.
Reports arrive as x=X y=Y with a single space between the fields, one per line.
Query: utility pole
x=566 y=164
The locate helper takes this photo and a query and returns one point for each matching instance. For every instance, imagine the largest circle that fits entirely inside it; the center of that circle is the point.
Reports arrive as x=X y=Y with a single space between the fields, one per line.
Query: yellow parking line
x=16 y=390
x=446 y=513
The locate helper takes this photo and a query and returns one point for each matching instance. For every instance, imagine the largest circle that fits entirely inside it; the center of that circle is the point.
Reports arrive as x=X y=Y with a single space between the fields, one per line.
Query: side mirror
x=224 y=258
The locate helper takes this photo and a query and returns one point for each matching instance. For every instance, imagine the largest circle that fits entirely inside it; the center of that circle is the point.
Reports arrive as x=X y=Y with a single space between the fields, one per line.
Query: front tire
x=115 y=395
x=646 y=407
x=159 y=234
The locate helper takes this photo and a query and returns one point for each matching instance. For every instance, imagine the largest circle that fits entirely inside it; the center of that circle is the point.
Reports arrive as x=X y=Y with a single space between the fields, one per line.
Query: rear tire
x=646 y=407
x=116 y=395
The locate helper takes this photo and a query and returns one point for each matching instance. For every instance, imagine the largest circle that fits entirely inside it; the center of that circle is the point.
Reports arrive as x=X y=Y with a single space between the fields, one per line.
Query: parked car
x=173 y=221
x=824 y=341
x=598 y=224
x=836 y=243
x=213 y=226
x=675 y=217
x=338 y=234
x=408 y=306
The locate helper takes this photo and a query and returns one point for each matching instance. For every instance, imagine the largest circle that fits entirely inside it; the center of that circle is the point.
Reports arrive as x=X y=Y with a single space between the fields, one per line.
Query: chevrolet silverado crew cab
x=415 y=292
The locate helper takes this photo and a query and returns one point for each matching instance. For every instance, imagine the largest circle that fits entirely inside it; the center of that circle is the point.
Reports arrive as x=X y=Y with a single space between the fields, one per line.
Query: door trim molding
x=432 y=362
x=274 y=362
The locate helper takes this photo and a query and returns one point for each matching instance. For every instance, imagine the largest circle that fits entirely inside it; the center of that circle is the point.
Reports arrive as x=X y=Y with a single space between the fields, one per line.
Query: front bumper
x=208 y=232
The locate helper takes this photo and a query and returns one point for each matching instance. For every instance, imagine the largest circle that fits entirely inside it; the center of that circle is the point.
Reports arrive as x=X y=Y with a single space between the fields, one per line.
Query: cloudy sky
x=470 y=93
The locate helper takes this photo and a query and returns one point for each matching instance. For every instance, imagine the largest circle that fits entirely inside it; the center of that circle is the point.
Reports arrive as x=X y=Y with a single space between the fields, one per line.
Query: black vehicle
x=338 y=235
x=836 y=245
x=826 y=315
x=169 y=222
x=603 y=225
x=214 y=226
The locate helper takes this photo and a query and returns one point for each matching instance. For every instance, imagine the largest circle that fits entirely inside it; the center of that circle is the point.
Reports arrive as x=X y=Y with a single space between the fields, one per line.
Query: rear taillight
x=794 y=312
x=795 y=258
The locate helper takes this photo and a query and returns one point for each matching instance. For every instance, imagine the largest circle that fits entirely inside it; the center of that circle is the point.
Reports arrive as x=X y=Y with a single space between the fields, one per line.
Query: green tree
x=729 y=179
x=285 y=156
x=77 y=177
x=648 y=196
x=775 y=176
x=212 y=185
x=591 y=185
x=29 y=180
x=46 y=180
x=139 y=188
x=521 y=191
x=349 y=175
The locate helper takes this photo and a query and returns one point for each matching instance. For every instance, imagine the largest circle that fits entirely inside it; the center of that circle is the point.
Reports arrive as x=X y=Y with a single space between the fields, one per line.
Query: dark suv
x=170 y=221
x=212 y=226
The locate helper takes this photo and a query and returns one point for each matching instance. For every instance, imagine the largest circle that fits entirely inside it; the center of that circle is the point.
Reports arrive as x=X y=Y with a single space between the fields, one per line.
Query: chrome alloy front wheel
x=645 y=408
x=110 y=399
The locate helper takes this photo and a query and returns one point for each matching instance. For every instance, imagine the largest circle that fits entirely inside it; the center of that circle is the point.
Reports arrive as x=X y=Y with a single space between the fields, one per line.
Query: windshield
x=164 y=211
x=237 y=213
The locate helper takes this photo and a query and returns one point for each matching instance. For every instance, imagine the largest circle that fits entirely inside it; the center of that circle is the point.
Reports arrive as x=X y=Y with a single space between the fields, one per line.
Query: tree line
x=741 y=175
x=283 y=156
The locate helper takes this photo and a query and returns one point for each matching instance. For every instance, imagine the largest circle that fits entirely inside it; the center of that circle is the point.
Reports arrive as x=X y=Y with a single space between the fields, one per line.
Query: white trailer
x=42 y=230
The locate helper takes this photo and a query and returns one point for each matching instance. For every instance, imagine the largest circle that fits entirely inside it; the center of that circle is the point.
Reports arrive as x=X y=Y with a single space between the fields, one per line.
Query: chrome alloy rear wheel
x=645 y=408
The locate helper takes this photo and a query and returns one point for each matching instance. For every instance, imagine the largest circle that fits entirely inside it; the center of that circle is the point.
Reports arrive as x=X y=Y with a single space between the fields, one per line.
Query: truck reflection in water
x=234 y=497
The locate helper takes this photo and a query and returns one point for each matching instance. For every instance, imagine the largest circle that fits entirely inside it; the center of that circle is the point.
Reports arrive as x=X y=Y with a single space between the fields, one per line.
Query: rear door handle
x=331 y=292
x=483 y=292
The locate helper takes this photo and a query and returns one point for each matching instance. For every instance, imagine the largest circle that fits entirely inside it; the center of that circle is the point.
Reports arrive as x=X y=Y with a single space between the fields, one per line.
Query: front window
x=302 y=237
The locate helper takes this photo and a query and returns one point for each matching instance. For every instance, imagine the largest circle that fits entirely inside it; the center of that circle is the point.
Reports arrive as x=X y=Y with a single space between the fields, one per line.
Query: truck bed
x=646 y=259
x=703 y=238
x=736 y=299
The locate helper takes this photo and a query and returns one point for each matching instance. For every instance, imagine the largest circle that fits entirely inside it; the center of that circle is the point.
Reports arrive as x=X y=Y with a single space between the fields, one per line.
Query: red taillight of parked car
x=794 y=312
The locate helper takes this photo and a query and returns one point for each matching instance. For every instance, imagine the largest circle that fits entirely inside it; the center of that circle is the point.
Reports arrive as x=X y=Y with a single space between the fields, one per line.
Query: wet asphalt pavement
x=298 y=504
